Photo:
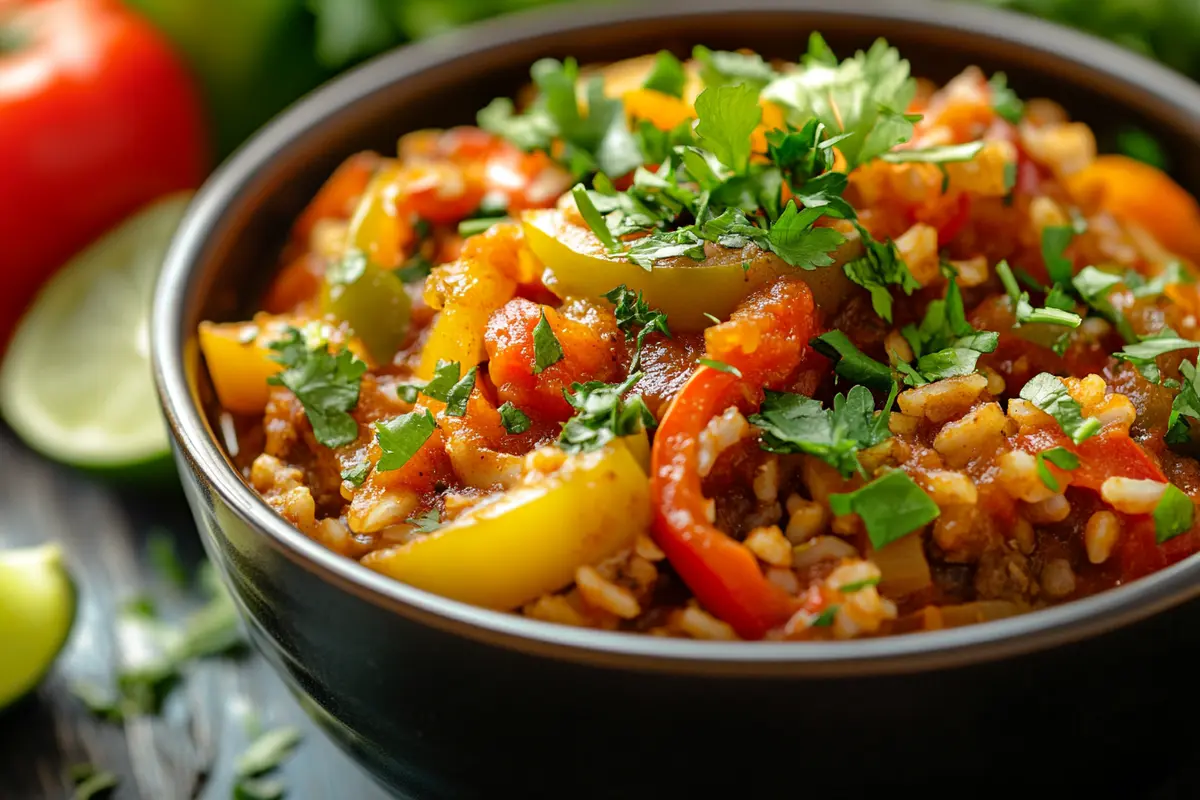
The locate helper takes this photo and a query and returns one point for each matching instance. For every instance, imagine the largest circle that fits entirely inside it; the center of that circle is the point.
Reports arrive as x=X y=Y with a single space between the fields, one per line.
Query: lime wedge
x=76 y=382
x=37 y=607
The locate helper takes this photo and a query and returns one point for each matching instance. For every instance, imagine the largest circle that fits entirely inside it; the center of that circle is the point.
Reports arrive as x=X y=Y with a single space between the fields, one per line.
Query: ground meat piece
x=1003 y=573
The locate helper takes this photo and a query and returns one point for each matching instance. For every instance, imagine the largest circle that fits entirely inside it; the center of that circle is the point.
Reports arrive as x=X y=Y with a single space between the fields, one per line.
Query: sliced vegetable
x=528 y=541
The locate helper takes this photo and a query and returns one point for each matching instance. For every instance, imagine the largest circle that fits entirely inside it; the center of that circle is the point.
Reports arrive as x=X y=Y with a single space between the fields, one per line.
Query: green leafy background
x=254 y=57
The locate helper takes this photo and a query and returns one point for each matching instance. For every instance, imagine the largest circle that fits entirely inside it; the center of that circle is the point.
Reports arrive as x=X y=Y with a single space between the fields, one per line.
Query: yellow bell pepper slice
x=239 y=357
x=467 y=292
x=530 y=540
x=686 y=290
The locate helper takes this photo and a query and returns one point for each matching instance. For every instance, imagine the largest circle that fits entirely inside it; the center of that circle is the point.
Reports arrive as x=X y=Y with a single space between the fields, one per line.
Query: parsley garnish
x=1055 y=240
x=796 y=240
x=1144 y=354
x=631 y=311
x=865 y=96
x=825 y=618
x=720 y=366
x=725 y=118
x=513 y=419
x=667 y=75
x=356 y=474
x=594 y=219
x=1137 y=144
x=1048 y=393
x=602 y=414
x=459 y=394
x=891 y=507
x=546 y=349
x=792 y=423
x=426 y=522
x=1005 y=102
x=851 y=363
x=415 y=269
x=1024 y=312
x=471 y=227
x=722 y=67
x=1173 y=515
x=1186 y=404
x=1095 y=286
x=1060 y=457
x=401 y=437
x=445 y=377
x=878 y=268
x=858 y=586
x=326 y=385
x=945 y=345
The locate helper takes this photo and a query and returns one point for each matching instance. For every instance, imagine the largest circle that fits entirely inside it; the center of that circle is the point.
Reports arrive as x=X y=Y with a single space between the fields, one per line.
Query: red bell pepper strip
x=1108 y=455
x=774 y=323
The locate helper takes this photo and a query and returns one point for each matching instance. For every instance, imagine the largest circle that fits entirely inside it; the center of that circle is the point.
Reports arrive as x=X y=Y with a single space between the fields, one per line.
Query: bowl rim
x=1124 y=71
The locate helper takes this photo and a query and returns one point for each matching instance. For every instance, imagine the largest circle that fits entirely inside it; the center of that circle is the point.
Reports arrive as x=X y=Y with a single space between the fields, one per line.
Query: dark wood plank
x=189 y=751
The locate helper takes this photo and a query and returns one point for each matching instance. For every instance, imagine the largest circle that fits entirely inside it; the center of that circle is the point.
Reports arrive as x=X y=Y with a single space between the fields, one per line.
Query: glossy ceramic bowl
x=440 y=699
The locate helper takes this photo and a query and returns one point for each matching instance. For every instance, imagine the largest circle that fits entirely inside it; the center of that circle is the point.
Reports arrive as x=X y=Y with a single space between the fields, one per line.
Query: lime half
x=76 y=382
x=37 y=607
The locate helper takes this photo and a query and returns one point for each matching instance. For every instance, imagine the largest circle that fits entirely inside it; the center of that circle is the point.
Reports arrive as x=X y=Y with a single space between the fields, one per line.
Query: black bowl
x=441 y=699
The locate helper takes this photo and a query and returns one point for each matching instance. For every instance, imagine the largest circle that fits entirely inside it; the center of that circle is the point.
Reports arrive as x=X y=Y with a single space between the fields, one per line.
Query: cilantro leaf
x=1055 y=240
x=851 y=363
x=1023 y=310
x=801 y=154
x=879 y=267
x=426 y=522
x=792 y=423
x=945 y=345
x=326 y=385
x=865 y=95
x=648 y=250
x=1060 y=457
x=415 y=269
x=1171 y=273
x=357 y=474
x=401 y=437
x=1186 y=404
x=666 y=75
x=1137 y=144
x=445 y=376
x=826 y=617
x=794 y=239
x=1048 y=393
x=594 y=220
x=938 y=154
x=891 y=507
x=631 y=311
x=459 y=394
x=546 y=349
x=1173 y=515
x=725 y=118
x=477 y=225
x=722 y=68
x=602 y=413
x=1005 y=102
x=858 y=586
x=513 y=419
x=720 y=366
x=1144 y=354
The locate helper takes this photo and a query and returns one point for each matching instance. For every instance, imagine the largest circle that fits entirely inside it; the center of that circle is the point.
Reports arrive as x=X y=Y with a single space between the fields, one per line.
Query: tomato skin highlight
x=100 y=117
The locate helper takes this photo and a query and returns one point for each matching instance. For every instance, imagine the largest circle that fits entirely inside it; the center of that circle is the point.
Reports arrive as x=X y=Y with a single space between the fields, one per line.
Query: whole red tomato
x=97 y=117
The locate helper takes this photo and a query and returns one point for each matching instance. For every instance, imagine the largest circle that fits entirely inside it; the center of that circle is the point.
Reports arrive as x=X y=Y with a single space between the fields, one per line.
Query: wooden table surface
x=188 y=752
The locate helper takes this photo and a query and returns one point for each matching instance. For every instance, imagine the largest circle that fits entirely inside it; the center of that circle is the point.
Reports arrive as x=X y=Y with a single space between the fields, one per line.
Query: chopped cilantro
x=426 y=522
x=1172 y=273
x=825 y=618
x=1024 y=312
x=1144 y=354
x=345 y=271
x=1055 y=240
x=865 y=95
x=792 y=423
x=356 y=474
x=726 y=116
x=722 y=67
x=1186 y=405
x=645 y=252
x=471 y=227
x=938 y=154
x=667 y=75
x=720 y=366
x=594 y=220
x=513 y=419
x=415 y=269
x=851 y=363
x=326 y=385
x=794 y=238
x=459 y=394
x=891 y=507
x=1005 y=102
x=602 y=413
x=445 y=376
x=858 y=586
x=632 y=311
x=1048 y=393
x=546 y=349
x=1060 y=457
x=401 y=437
x=1173 y=515
x=945 y=345
x=879 y=268
x=712 y=319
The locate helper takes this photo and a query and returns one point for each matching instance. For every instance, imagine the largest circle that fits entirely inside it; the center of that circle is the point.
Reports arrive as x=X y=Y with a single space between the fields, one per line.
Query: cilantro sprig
x=632 y=311
x=945 y=345
x=792 y=423
x=326 y=384
x=1049 y=393
x=603 y=413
